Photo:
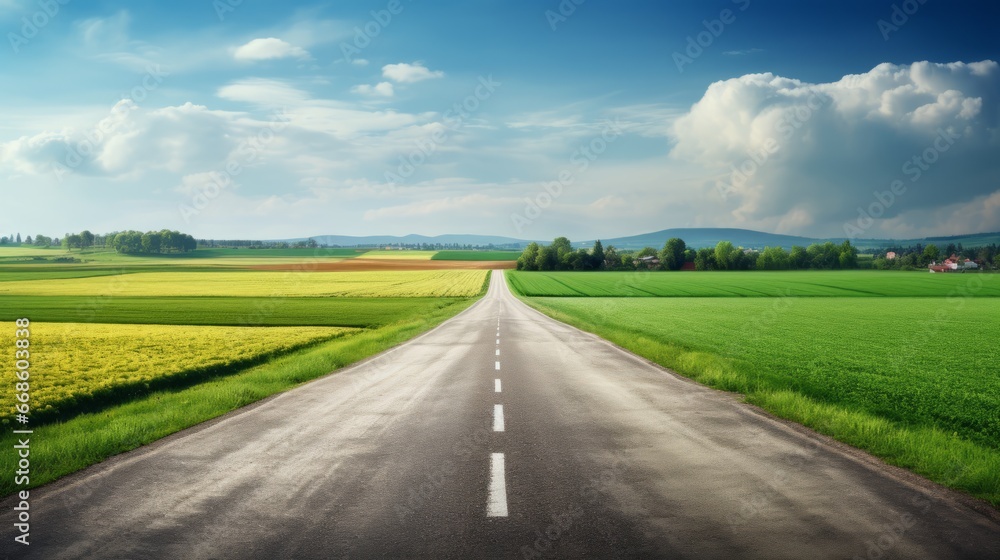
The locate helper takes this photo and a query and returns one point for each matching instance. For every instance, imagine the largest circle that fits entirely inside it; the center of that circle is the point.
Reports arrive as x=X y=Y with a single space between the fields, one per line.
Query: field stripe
x=496 y=503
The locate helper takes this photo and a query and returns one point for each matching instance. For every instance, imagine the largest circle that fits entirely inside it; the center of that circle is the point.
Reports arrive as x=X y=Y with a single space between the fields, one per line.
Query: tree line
x=132 y=242
x=675 y=255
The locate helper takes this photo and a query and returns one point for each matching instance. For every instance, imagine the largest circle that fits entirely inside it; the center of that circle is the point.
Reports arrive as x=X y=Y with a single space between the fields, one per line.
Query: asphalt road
x=597 y=454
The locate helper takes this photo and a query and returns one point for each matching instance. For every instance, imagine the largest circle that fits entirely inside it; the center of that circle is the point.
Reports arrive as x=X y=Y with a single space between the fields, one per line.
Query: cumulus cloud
x=409 y=73
x=796 y=156
x=269 y=48
x=381 y=89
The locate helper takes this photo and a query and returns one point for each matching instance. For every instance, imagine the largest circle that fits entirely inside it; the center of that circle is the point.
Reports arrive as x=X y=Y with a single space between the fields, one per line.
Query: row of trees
x=152 y=242
x=39 y=240
x=560 y=255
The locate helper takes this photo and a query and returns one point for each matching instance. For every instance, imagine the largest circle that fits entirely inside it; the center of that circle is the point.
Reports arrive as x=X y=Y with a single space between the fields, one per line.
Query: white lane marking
x=496 y=385
x=498 y=365
x=496 y=503
x=498 y=341
x=498 y=418
x=498 y=351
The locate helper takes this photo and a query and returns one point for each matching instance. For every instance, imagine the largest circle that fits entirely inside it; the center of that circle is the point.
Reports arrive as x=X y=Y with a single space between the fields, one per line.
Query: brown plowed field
x=368 y=265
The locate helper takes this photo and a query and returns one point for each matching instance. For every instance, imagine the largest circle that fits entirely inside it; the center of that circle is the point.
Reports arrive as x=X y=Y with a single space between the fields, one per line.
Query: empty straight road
x=500 y=434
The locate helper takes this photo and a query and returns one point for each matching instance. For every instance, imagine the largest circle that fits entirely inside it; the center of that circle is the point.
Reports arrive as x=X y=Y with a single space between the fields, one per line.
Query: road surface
x=500 y=434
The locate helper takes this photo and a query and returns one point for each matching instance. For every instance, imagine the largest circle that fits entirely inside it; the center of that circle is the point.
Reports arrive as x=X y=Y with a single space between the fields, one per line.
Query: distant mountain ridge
x=694 y=237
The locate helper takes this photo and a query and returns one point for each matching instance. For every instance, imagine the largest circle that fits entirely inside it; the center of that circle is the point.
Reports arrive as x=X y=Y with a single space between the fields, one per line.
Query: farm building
x=890 y=255
x=650 y=261
x=953 y=264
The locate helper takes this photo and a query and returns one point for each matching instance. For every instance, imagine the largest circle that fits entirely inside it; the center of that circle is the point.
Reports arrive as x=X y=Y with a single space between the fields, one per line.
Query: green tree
x=597 y=256
x=798 y=259
x=547 y=258
x=151 y=242
x=773 y=258
x=931 y=253
x=527 y=260
x=672 y=254
x=725 y=255
x=612 y=259
x=705 y=259
x=86 y=239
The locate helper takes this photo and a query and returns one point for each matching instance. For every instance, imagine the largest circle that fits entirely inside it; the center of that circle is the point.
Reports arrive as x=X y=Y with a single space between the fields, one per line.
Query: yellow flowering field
x=73 y=364
x=424 y=283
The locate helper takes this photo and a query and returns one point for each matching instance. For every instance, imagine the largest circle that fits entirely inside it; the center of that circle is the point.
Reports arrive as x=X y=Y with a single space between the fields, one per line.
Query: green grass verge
x=824 y=283
x=66 y=447
x=476 y=256
x=890 y=376
x=226 y=311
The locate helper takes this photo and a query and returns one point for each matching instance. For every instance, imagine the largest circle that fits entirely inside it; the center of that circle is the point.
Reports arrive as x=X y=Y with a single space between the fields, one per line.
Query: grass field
x=807 y=283
x=476 y=256
x=450 y=283
x=911 y=379
x=231 y=311
x=83 y=365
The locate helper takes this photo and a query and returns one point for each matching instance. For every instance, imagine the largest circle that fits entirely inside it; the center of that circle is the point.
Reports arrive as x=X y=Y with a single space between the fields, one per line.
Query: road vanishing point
x=501 y=433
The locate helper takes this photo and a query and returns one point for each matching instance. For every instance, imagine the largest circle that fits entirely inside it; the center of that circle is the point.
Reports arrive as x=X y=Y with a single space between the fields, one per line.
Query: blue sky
x=244 y=119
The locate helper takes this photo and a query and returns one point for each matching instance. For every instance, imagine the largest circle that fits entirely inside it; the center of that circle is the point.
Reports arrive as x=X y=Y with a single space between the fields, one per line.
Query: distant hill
x=694 y=237
x=707 y=237
x=383 y=240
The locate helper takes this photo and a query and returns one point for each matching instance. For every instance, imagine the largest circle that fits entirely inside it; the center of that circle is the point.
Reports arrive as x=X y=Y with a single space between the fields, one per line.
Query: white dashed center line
x=498 y=365
x=496 y=385
x=498 y=418
x=496 y=503
x=498 y=351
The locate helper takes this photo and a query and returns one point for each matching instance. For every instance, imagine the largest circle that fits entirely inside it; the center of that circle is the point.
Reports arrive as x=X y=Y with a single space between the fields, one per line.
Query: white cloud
x=269 y=48
x=261 y=91
x=360 y=62
x=812 y=154
x=381 y=89
x=409 y=73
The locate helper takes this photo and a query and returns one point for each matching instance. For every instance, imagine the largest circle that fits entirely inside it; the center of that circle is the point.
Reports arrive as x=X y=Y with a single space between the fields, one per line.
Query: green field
x=806 y=283
x=476 y=256
x=912 y=379
x=225 y=311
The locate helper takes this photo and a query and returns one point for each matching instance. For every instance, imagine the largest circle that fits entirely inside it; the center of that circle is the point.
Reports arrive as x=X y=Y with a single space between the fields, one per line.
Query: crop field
x=128 y=349
x=79 y=364
x=224 y=311
x=476 y=256
x=400 y=255
x=901 y=364
x=444 y=283
x=811 y=283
